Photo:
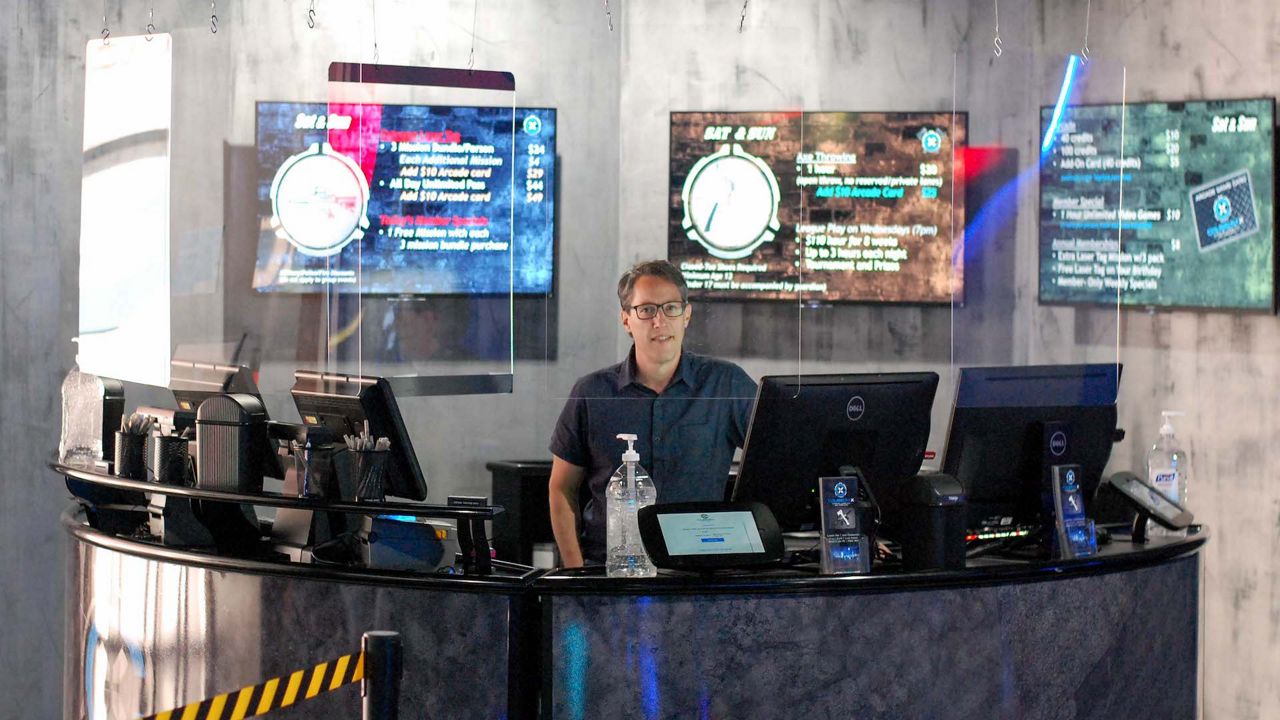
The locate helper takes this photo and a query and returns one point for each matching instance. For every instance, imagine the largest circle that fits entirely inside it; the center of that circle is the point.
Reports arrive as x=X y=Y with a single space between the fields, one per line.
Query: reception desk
x=1111 y=636
x=150 y=628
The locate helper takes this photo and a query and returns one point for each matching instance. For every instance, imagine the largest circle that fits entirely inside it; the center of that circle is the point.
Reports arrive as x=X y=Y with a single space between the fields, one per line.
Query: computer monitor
x=194 y=382
x=343 y=403
x=997 y=445
x=809 y=426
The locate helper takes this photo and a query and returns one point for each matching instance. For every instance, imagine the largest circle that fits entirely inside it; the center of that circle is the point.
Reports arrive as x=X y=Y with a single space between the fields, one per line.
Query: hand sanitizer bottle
x=628 y=490
x=1167 y=472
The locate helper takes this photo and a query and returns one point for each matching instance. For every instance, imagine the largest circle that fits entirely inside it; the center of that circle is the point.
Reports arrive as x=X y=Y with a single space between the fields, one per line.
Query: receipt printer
x=933 y=518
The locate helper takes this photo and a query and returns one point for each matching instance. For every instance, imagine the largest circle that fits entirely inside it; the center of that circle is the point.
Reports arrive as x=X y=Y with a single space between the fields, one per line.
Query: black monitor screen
x=343 y=403
x=996 y=448
x=809 y=426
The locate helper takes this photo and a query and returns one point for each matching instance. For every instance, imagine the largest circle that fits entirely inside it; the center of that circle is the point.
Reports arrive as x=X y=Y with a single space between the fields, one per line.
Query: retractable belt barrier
x=276 y=693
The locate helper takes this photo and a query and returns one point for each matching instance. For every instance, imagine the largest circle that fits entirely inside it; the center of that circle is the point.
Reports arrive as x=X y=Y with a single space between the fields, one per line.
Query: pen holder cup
x=369 y=468
x=169 y=461
x=317 y=477
x=131 y=456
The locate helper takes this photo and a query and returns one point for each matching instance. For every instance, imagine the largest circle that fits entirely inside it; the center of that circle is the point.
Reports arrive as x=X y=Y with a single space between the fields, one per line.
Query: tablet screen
x=710 y=533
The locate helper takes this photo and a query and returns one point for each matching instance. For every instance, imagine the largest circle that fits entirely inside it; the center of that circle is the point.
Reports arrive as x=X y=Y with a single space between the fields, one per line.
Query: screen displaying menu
x=830 y=206
x=1182 y=216
x=405 y=199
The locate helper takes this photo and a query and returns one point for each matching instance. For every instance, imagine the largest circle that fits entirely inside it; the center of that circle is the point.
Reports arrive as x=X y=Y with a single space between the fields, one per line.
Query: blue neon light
x=574 y=640
x=649 y=694
x=1063 y=94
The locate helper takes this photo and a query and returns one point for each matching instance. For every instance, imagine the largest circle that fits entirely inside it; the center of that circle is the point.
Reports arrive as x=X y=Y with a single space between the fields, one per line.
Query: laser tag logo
x=1222 y=208
x=930 y=139
x=730 y=203
x=841 y=489
x=319 y=201
x=1058 y=443
x=532 y=125
x=856 y=407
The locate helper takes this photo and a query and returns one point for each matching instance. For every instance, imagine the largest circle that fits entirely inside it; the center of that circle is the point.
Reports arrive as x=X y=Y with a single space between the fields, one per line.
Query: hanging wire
x=311 y=15
x=151 y=23
x=373 y=4
x=213 y=17
x=998 y=45
x=475 y=11
x=608 y=15
x=1084 y=51
x=742 y=21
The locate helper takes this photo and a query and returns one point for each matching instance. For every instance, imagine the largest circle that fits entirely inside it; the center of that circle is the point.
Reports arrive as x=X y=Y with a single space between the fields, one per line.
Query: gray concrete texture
x=614 y=90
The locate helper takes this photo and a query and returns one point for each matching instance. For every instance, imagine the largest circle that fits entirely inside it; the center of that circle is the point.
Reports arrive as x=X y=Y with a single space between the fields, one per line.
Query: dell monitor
x=1010 y=424
x=809 y=426
x=343 y=403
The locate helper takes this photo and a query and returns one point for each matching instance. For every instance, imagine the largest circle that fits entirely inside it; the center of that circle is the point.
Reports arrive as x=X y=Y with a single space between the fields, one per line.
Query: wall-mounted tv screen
x=828 y=206
x=418 y=198
x=1196 y=228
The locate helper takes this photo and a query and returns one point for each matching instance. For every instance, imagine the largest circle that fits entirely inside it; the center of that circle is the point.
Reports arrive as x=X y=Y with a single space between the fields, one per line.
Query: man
x=688 y=412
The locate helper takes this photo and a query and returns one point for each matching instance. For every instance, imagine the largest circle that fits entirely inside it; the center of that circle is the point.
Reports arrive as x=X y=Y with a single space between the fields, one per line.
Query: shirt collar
x=628 y=373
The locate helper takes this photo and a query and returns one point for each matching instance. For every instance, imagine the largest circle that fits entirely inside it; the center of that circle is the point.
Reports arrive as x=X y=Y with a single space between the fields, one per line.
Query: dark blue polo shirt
x=686 y=436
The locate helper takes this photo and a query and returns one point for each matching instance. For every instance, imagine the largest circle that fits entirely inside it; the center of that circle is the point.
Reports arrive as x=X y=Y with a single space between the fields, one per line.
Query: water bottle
x=81 y=440
x=1167 y=472
x=628 y=490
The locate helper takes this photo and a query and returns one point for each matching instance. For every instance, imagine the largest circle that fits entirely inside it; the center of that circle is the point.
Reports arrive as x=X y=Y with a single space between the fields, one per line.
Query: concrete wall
x=614 y=91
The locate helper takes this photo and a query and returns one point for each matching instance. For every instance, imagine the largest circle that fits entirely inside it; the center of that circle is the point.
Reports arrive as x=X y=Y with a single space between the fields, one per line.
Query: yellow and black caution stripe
x=276 y=693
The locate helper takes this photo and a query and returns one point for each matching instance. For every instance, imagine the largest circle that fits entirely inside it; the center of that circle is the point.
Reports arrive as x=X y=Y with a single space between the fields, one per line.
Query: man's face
x=658 y=340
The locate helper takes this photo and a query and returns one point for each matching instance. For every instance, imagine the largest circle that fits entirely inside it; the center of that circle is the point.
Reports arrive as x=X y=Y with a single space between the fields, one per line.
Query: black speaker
x=233 y=447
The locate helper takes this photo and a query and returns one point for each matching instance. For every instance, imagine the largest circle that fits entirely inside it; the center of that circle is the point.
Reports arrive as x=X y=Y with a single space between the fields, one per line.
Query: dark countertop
x=508 y=578
x=1117 y=556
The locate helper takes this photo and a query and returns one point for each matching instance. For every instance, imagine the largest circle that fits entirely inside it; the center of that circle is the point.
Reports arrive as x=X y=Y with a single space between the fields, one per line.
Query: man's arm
x=562 y=495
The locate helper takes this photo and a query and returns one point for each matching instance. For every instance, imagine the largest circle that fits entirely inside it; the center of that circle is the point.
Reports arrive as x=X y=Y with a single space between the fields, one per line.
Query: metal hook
x=213 y=17
x=106 y=32
x=151 y=25
x=311 y=15
x=608 y=15
x=999 y=47
x=742 y=21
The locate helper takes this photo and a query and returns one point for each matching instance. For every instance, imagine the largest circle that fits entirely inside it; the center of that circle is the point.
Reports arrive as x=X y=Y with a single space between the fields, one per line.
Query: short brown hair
x=662 y=269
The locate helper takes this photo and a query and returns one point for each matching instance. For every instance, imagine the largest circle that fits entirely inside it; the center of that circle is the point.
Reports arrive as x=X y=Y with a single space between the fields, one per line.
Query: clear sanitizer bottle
x=1167 y=472
x=628 y=490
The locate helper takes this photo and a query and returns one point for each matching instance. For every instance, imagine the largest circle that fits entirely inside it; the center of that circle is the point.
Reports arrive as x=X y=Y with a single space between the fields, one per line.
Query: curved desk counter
x=150 y=628
x=1112 y=636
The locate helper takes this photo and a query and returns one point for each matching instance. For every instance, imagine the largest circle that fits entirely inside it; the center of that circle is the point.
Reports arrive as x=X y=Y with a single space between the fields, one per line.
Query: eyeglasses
x=650 y=311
